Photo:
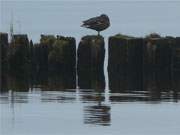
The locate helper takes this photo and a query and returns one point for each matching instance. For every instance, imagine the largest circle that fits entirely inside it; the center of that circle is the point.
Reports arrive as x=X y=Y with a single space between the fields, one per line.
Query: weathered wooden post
x=3 y=51
x=57 y=57
x=62 y=55
x=43 y=49
x=135 y=63
x=90 y=65
x=3 y=60
x=176 y=69
x=62 y=62
x=117 y=63
x=176 y=54
x=158 y=60
x=158 y=53
x=19 y=53
x=125 y=62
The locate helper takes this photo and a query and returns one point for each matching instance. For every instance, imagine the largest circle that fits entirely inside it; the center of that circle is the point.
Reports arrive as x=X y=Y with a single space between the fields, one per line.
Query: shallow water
x=78 y=112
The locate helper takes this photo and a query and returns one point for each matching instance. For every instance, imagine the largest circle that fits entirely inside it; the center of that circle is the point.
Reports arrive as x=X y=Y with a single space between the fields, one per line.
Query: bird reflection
x=97 y=114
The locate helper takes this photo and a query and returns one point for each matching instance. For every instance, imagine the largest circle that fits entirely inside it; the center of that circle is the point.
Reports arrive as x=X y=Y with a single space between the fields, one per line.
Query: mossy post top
x=20 y=38
x=153 y=37
x=122 y=36
x=89 y=37
x=92 y=39
x=51 y=39
x=3 y=34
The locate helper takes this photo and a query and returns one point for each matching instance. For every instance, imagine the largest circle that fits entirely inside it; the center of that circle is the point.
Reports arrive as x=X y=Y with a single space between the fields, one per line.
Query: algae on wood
x=90 y=66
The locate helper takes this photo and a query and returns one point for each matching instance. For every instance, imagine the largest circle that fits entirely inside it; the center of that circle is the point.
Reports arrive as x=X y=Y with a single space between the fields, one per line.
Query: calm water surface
x=78 y=112
x=46 y=106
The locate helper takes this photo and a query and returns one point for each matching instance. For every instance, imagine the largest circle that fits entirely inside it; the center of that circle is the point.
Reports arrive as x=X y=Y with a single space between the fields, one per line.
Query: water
x=45 y=105
x=70 y=112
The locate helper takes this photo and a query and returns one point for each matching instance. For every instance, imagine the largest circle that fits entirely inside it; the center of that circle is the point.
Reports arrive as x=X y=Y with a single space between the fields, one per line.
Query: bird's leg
x=98 y=33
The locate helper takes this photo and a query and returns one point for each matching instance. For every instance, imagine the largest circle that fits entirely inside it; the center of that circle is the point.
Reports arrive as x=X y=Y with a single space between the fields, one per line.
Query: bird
x=98 y=23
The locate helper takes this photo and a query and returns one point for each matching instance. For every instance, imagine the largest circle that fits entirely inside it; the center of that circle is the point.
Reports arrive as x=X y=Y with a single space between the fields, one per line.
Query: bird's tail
x=85 y=26
x=82 y=25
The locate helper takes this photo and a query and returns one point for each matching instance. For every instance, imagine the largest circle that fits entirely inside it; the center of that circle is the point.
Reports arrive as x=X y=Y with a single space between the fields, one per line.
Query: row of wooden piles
x=130 y=61
x=142 y=63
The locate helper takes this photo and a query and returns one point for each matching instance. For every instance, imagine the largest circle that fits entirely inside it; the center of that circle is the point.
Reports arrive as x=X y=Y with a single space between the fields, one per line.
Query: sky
x=64 y=17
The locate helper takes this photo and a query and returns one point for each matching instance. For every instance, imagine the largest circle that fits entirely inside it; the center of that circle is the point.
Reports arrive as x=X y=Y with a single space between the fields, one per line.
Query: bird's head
x=104 y=16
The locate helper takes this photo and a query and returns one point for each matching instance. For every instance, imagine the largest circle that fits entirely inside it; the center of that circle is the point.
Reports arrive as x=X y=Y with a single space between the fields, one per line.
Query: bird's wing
x=91 y=21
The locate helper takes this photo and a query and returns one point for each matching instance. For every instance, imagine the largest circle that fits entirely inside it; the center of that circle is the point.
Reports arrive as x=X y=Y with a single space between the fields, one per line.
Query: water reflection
x=156 y=85
x=153 y=85
x=91 y=95
x=94 y=101
x=64 y=96
x=97 y=114
x=47 y=81
x=15 y=81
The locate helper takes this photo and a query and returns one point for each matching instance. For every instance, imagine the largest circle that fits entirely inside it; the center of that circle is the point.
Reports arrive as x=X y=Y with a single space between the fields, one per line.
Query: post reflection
x=23 y=81
x=15 y=81
x=55 y=81
x=176 y=85
x=91 y=95
x=59 y=89
x=154 y=85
